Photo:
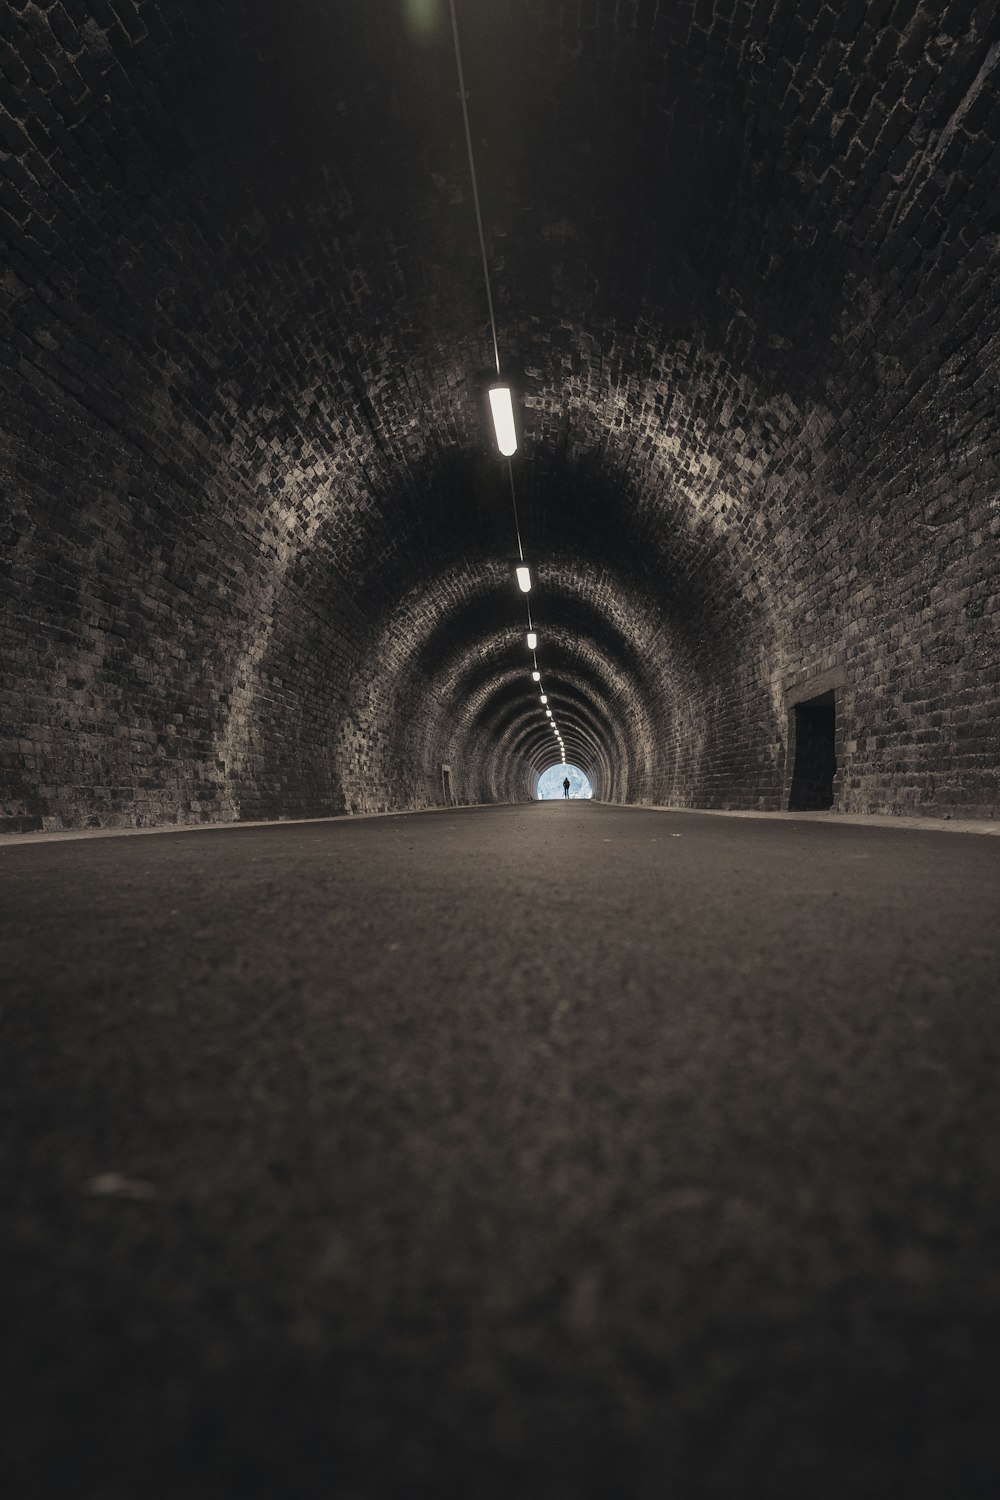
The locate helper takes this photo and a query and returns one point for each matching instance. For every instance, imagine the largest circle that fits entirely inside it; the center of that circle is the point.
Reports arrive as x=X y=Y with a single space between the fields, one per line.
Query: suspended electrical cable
x=463 y=98
x=517 y=527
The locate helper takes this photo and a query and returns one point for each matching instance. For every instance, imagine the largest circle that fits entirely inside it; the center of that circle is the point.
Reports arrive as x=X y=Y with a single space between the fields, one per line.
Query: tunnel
x=736 y=262
x=258 y=542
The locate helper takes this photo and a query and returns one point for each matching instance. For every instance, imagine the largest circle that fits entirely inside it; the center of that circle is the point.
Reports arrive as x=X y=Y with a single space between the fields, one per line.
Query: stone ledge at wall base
x=988 y=823
x=97 y=823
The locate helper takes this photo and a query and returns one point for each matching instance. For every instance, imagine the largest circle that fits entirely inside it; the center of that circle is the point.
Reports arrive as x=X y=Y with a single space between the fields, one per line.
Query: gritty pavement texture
x=549 y=1151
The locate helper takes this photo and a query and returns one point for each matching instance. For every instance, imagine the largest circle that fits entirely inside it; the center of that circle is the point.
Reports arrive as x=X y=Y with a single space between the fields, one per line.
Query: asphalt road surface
x=553 y=1151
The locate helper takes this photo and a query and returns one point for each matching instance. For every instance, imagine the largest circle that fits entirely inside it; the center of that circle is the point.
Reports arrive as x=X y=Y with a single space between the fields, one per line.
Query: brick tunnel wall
x=256 y=555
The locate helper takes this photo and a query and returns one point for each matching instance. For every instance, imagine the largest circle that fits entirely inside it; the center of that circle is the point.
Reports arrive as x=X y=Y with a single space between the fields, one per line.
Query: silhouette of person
x=565 y=786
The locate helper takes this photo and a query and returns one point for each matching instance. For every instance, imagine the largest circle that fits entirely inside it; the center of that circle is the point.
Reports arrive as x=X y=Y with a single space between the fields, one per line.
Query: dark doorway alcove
x=812 y=741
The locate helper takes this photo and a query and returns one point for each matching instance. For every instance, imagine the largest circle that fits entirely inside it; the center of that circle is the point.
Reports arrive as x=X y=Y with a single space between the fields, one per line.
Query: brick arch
x=744 y=269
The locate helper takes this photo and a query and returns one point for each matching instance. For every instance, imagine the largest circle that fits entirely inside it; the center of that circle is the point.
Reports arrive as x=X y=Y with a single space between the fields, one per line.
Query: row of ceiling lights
x=523 y=573
x=501 y=401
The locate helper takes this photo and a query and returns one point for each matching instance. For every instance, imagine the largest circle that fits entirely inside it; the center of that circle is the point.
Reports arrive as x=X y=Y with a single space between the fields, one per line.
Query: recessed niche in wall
x=812 y=742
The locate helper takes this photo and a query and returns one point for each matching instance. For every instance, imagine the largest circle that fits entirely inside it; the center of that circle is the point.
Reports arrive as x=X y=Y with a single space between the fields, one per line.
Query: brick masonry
x=255 y=555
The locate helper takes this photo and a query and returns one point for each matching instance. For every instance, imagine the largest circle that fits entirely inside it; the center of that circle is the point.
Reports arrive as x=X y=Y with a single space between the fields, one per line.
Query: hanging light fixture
x=524 y=579
x=532 y=640
x=536 y=676
x=545 y=697
x=503 y=419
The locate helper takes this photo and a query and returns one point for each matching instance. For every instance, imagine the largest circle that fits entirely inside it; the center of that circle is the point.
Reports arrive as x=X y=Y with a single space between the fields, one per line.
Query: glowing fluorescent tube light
x=532 y=640
x=536 y=676
x=524 y=579
x=503 y=420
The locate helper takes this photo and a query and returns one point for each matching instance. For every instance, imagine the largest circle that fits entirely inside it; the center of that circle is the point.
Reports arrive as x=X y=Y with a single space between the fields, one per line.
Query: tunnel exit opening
x=812 y=744
x=549 y=786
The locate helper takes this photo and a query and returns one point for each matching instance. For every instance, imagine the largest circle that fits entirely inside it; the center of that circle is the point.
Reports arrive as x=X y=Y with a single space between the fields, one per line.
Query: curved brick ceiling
x=259 y=551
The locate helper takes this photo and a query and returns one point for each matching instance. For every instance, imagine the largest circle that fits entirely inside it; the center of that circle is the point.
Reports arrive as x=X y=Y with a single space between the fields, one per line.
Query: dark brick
x=65 y=33
x=850 y=15
x=12 y=67
x=12 y=137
